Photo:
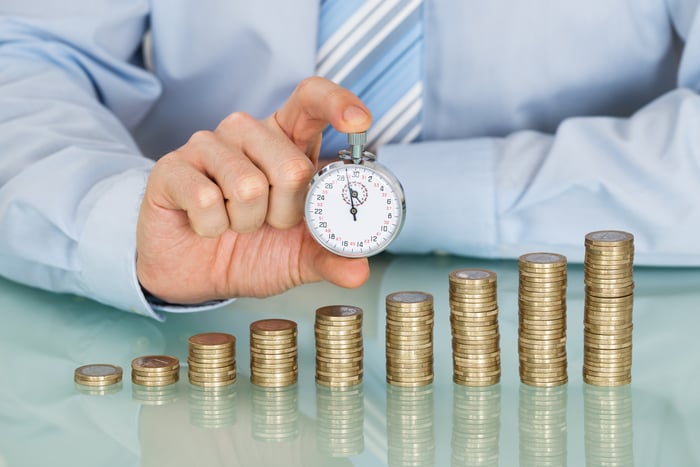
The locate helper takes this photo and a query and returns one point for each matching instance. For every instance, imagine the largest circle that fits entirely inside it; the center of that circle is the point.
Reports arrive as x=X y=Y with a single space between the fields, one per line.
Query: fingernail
x=354 y=114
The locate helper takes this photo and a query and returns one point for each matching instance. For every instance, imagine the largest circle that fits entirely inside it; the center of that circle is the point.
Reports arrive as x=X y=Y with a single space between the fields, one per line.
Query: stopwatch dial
x=354 y=210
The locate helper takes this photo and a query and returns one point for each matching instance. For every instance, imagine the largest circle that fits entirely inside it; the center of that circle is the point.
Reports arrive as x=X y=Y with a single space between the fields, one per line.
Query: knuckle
x=205 y=197
x=201 y=137
x=295 y=172
x=250 y=187
x=238 y=120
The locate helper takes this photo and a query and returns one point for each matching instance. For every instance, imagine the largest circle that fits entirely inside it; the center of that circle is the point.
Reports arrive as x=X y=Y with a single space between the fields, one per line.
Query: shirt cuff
x=450 y=199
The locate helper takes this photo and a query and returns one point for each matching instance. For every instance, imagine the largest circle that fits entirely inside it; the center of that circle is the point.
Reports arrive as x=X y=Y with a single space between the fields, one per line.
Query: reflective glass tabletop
x=45 y=419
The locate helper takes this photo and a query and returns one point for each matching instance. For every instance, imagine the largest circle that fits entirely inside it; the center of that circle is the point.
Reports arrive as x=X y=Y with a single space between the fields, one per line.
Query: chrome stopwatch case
x=355 y=207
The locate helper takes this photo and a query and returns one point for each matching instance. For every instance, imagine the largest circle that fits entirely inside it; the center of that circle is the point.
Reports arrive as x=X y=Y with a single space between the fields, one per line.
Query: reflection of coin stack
x=155 y=370
x=212 y=359
x=154 y=395
x=542 y=314
x=542 y=426
x=476 y=424
x=273 y=353
x=476 y=353
x=212 y=407
x=409 y=338
x=98 y=379
x=608 y=426
x=338 y=331
x=607 y=335
x=410 y=420
x=275 y=414
x=340 y=415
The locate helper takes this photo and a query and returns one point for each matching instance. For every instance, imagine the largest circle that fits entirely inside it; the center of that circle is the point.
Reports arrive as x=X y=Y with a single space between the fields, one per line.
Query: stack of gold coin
x=339 y=350
x=155 y=370
x=340 y=415
x=476 y=352
x=273 y=353
x=542 y=315
x=97 y=375
x=275 y=413
x=609 y=285
x=409 y=338
x=212 y=359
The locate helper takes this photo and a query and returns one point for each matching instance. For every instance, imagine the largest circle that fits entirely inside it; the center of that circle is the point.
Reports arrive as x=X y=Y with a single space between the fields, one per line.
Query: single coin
x=155 y=363
x=212 y=340
x=273 y=326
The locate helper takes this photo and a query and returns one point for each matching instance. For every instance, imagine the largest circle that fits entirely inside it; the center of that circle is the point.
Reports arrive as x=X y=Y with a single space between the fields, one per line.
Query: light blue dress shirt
x=542 y=121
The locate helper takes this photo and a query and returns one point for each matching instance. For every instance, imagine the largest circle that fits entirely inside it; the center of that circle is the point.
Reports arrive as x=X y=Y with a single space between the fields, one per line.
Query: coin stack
x=273 y=353
x=212 y=359
x=275 y=413
x=607 y=319
x=155 y=370
x=476 y=353
x=409 y=338
x=542 y=319
x=476 y=425
x=340 y=415
x=542 y=426
x=410 y=421
x=608 y=427
x=98 y=378
x=339 y=349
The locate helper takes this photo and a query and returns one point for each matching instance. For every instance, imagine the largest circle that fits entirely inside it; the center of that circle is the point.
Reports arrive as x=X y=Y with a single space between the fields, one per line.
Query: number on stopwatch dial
x=355 y=209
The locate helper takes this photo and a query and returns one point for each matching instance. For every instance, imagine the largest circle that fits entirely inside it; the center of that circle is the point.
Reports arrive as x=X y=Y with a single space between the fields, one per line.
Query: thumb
x=315 y=103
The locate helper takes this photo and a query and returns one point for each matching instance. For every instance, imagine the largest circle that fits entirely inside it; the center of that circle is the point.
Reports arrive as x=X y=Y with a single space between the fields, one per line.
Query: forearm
x=501 y=197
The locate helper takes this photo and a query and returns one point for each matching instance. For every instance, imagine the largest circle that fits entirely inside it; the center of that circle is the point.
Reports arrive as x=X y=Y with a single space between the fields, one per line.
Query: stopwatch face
x=355 y=209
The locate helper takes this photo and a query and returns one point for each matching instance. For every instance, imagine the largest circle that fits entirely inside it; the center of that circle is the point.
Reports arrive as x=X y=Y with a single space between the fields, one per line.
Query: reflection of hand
x=221 y=216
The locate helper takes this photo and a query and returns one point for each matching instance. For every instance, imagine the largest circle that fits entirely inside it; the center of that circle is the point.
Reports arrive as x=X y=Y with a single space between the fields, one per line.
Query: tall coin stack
x=155 y=370
x=542 y=319
x=476 y=352
x=339 y=349
x=409 y=339
x=273 y=353
x=607 y=319
x=212 y=359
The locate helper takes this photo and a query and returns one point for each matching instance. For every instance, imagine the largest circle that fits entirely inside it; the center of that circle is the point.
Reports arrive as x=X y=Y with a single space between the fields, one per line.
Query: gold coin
x=273 y=327
x=472 y=275
x=409 y=297
x=339 y=313
x=155 y=363
x=212 y=340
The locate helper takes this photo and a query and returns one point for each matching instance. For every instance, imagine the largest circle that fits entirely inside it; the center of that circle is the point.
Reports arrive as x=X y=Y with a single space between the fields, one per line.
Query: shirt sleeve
x=71 y=177
x=531 y=191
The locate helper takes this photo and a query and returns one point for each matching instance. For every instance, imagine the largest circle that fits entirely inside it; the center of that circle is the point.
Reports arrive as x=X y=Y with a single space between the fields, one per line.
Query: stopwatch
x=355 y=206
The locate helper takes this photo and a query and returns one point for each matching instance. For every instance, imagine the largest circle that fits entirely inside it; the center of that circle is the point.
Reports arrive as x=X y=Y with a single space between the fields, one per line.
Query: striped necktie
x=374 y=49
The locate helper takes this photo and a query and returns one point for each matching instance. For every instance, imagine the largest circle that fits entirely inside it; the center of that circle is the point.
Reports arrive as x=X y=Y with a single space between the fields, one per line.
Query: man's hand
x=222 y=215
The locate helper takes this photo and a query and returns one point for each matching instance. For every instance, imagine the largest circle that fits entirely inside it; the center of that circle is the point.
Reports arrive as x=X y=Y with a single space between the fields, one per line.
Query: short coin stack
x=409 y=338
x=97 y=375
x=273 y=353
x=542 y=319
x=609 y=285
x=155 y=370
x=212 y=359
x=476 y=353
x=339 y=349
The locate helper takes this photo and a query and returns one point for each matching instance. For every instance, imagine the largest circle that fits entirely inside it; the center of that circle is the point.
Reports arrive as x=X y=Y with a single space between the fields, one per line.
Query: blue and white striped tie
x=374 y=49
